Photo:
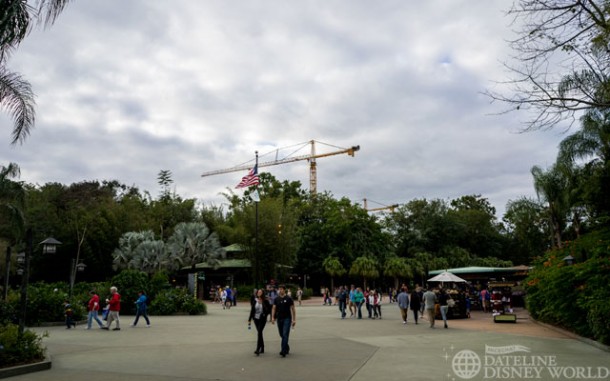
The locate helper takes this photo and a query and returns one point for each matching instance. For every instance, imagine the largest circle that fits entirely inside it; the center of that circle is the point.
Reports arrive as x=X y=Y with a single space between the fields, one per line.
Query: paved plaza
x=219 y=346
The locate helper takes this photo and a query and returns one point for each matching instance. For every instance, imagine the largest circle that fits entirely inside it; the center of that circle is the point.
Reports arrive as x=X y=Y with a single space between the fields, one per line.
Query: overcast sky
x=128 y=88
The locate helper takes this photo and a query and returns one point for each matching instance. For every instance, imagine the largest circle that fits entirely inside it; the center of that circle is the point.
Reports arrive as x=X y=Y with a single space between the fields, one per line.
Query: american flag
x=250 y=179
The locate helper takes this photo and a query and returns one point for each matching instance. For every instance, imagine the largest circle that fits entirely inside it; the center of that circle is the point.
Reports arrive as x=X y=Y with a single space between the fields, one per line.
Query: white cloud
x=126 y=89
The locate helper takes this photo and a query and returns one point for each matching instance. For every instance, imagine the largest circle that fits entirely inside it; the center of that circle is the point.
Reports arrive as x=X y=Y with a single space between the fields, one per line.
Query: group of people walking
x=110 y=312
x=420 y=303
x=353 y=298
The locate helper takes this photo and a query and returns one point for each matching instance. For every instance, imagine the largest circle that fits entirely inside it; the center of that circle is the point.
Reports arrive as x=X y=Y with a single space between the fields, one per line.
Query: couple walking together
x=282 y=312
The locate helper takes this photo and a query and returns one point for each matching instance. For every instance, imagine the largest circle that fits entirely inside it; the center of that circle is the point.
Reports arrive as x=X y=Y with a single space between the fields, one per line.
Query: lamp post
x=76 y=267
x=49 y=246
x=569 y=260
x=8 y=271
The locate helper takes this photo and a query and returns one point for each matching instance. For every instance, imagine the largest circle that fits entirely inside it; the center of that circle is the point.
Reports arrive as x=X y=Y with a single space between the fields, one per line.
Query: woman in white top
x=261 y=308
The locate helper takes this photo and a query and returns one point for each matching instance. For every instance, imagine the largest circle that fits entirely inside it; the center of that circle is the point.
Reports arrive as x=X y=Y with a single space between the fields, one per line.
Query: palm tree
x=16 y=94
x=366 y=267
x=551 y=186
x=12 y=203
x=193 y=243
x=592 y=140
x=589 y=184
x=416 y=266
x=17 y=97
x=124 y=255
x=423 y=261
x=397 y=267
x=150 y=257
x=333 y=267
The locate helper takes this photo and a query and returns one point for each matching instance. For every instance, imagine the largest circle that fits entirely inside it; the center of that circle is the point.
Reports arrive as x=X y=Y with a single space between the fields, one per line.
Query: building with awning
x=204 y=276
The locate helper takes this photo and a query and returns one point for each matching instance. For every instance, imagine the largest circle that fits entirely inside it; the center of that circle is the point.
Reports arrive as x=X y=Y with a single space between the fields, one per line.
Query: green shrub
x=194 y=306
x=8 y=314
x=24 y=350
x=164 y=303
x=128 y=283
x=46 y=303
x=574 y=297
x=158 y=283
x=177 y=300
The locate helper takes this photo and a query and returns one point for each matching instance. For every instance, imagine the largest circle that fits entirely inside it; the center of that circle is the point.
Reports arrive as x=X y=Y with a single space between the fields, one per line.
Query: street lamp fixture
x=75 y=268
x=49 y=245
x=80 y=267
x=20 y=262
x=569 y=260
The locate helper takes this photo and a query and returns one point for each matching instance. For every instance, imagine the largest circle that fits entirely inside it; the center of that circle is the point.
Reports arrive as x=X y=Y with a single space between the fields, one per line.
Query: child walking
x=69 y=315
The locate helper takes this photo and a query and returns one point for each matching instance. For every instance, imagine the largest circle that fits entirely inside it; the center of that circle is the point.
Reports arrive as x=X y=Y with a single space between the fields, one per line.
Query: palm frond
x=17 y=98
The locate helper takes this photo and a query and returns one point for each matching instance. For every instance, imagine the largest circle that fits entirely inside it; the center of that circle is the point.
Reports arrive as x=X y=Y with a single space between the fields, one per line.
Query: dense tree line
x=112 y=226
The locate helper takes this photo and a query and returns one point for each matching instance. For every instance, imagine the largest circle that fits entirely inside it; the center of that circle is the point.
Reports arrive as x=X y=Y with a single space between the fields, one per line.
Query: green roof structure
x=225 y=264
x=482 y=270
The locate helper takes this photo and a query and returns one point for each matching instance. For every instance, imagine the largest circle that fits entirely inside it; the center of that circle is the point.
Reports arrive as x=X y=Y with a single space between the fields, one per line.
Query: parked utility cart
x=501 y=302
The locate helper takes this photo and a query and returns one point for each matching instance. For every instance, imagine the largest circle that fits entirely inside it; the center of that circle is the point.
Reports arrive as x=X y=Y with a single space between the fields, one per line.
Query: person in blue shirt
x=141 y=308
x=403 y=304
x=229 y=297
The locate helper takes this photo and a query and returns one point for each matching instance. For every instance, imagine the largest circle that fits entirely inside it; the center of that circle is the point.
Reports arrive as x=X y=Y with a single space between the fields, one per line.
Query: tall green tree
x=479 y=232
x=12 y=204
x=338 y=228
x=421 y=225
x=528 y=229
x=267 y=229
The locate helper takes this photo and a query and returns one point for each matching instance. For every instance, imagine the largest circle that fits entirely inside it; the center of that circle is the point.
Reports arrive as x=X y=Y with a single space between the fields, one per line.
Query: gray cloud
x=126 y=89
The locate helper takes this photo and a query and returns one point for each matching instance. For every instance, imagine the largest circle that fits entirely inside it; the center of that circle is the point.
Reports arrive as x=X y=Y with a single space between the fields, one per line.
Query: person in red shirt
x=93 y=307
x=115 y=306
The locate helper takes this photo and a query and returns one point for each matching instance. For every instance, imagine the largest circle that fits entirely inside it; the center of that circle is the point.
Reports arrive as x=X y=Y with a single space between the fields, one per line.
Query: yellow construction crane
x=390 y=207
x=313 y=178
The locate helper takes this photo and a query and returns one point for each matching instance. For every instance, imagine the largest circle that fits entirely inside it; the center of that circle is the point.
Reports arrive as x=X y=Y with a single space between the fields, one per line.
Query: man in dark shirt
x=285 y=314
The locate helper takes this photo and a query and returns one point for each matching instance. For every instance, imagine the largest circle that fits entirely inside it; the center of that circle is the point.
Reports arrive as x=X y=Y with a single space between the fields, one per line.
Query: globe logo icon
x=466 y=364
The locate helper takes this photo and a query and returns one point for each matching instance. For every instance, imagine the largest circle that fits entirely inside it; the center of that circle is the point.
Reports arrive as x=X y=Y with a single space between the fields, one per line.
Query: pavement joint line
x=363 y=364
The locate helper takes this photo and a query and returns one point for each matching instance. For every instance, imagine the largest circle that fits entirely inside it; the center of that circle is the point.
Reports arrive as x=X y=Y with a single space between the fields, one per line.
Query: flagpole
x=256 y=272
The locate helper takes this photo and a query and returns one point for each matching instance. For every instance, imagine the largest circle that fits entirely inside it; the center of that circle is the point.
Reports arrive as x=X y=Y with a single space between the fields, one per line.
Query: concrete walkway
x=219 y=346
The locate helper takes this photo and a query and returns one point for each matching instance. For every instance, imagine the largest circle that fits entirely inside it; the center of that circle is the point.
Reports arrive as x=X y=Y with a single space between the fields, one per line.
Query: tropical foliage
x=16 y=95
x=574 y=296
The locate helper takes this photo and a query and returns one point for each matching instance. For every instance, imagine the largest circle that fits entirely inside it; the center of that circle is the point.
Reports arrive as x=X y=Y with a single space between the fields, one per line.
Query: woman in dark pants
x=415 y=303
x=259 y=312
